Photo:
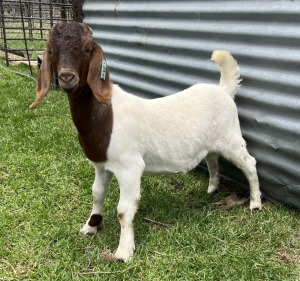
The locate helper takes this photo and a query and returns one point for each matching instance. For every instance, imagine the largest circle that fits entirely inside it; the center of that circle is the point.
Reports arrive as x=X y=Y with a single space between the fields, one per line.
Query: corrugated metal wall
x=155 y=48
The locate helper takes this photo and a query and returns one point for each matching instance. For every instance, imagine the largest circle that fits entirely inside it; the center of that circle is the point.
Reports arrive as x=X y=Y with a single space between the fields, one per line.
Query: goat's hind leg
x=99 y=190
x=213 y=168
x=239 y=156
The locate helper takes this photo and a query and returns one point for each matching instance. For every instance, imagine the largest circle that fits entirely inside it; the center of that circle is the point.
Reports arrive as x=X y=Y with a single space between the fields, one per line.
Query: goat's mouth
x=68 y=80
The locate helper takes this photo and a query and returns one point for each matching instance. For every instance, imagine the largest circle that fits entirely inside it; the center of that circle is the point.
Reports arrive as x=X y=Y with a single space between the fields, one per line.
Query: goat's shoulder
x=119 y=93
x=124 y=101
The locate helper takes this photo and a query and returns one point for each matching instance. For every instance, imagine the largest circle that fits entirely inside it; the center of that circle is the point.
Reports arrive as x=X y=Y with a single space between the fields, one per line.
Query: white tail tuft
x=230 y=75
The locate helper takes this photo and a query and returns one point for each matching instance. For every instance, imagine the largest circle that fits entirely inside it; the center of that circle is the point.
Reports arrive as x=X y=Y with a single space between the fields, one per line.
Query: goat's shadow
x=177 y=200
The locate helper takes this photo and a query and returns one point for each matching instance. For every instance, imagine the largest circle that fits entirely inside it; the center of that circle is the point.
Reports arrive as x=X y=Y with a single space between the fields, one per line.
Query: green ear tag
x=103 y=70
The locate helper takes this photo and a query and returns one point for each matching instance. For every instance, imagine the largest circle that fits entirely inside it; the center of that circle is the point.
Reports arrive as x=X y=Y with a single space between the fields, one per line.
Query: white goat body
x=125 y=135
x=171 y=134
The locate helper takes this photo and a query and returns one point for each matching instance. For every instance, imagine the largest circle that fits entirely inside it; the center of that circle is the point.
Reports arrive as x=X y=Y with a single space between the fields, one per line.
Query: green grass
x=45 y=196
x=14 y=34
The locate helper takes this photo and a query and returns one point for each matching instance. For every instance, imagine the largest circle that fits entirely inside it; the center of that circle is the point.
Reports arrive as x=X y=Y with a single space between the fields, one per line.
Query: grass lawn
x=45 y=183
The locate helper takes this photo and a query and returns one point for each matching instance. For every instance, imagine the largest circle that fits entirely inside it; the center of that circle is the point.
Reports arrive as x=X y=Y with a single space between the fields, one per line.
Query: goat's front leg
x=99 y=190
x=127 y=207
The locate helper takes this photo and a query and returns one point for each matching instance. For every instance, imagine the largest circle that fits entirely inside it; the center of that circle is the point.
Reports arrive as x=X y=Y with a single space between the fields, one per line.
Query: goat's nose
x=66 y=77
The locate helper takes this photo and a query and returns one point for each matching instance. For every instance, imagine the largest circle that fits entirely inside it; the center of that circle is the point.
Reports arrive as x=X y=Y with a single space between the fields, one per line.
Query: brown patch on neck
x=94 y=122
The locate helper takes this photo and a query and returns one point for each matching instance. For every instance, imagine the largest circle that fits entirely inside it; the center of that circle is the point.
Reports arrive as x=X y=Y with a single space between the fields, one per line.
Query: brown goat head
x=73 y=56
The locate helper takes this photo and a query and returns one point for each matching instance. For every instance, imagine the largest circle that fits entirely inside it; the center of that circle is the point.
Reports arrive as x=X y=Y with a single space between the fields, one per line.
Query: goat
x=126 y=136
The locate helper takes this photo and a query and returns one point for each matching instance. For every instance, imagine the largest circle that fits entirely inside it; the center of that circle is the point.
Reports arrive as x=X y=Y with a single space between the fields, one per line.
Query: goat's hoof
x=88 y=230
x=255 y=206
x=211 y=189
x=123 y=256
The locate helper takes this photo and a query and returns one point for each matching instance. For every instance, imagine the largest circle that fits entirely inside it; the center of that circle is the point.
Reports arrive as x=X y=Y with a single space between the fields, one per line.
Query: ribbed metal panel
x=156 y=48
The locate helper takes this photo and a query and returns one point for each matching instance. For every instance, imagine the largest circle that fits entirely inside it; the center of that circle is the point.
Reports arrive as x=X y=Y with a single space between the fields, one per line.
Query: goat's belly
x=177 y=156
x=166 y=165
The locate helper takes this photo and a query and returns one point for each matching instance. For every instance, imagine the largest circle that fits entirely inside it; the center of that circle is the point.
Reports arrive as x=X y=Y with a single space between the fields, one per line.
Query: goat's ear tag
x=103 y=69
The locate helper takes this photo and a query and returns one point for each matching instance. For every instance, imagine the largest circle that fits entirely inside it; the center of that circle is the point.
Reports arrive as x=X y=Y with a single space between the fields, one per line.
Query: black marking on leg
x=95 y=220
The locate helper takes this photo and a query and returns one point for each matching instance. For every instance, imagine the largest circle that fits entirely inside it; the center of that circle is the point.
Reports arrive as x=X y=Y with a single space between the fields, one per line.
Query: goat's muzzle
x=67 y=79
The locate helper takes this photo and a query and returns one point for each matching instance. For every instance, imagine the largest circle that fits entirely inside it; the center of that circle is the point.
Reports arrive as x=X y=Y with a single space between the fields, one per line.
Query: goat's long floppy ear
x=101 y=87
x=44 y=79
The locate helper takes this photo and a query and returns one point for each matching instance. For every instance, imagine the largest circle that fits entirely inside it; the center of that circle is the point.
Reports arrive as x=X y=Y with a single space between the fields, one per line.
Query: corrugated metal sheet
x=156 y=48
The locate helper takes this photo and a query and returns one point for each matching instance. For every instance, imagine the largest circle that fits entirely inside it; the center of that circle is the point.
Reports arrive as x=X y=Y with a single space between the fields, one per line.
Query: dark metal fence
x=24 y=27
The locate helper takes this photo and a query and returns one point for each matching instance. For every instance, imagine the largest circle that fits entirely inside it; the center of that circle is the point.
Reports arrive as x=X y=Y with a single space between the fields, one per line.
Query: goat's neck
x=93 y=121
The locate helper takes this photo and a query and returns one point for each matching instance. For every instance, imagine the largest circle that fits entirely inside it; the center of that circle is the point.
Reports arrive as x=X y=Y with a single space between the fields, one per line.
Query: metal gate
x=24 y=27
x=156 y=48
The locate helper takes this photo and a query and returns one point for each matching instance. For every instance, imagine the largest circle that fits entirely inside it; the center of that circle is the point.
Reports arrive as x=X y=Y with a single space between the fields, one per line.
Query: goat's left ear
x=101 y=88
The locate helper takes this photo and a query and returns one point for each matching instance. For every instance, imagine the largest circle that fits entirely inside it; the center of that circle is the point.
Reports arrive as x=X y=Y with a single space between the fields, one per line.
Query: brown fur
x=70 y=49
x=95 y=220
x=44 y=80
x=93 y=121
x=121 y=216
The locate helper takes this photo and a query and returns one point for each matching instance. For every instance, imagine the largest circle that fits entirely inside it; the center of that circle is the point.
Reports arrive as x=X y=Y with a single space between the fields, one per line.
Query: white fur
x=170 y=135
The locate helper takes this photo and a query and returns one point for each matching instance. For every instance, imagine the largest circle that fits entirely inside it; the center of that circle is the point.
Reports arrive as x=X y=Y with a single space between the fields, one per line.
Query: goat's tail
x=230 y=75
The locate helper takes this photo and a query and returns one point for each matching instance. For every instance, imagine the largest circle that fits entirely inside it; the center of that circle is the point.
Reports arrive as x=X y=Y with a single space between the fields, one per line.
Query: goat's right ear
x=44 y=79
